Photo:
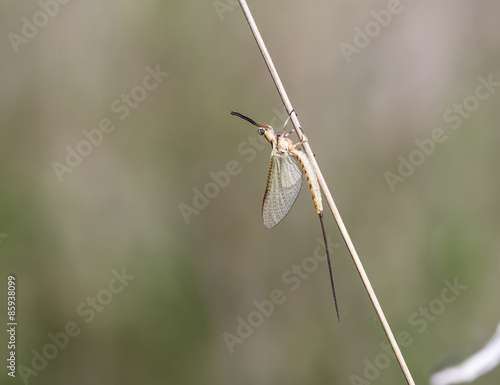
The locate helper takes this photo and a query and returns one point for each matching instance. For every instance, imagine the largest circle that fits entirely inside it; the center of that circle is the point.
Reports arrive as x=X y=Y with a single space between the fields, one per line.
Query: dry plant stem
x=326 y=192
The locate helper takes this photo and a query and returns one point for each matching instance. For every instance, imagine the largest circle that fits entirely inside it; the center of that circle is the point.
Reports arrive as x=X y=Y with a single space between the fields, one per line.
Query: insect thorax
x=283 y=143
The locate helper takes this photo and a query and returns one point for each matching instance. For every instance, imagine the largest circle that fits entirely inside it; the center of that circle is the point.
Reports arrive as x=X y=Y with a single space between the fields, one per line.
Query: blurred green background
x=123 y=207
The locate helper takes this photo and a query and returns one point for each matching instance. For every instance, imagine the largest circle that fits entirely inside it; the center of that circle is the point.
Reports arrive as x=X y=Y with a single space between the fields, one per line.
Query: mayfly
x=284 y=182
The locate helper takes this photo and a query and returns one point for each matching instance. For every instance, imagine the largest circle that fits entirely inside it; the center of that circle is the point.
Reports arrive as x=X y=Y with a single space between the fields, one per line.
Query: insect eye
x=261 y=131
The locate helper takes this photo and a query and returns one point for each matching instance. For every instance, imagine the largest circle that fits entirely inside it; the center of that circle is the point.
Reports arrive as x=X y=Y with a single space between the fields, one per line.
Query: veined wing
x=283 y=186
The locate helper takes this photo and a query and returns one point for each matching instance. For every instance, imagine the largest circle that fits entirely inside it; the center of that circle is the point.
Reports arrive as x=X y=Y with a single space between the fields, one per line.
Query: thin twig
x=326 y=192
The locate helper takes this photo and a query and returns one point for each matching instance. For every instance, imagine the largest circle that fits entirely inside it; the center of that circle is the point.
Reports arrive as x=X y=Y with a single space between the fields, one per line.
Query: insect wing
x=283 y=187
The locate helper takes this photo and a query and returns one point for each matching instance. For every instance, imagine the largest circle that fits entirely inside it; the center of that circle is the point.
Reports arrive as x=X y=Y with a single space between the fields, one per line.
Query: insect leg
x=284 y=126
x=302 y=142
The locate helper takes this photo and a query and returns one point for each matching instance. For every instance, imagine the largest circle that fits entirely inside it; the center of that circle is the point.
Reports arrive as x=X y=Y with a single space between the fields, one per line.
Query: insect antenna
x=249 y=120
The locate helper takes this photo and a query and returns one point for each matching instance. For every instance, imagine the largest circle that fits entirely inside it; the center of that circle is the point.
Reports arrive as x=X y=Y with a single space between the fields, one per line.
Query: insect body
x=284 y=181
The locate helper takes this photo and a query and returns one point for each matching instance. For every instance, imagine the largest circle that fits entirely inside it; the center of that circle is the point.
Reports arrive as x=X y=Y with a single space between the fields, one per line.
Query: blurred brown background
x=119 y=210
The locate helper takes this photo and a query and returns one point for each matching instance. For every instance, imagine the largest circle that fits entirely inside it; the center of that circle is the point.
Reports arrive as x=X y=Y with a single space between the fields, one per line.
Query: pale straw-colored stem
x=326 y=192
